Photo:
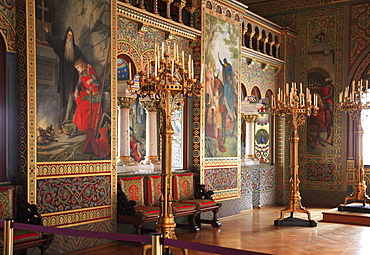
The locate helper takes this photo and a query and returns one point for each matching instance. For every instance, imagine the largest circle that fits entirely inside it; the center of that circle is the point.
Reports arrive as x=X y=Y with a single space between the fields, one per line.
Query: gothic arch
x=363 y=69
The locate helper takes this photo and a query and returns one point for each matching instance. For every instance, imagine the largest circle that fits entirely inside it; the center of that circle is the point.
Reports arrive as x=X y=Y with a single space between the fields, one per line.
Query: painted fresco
x=221 y=66
x=321 y=70
x=73 y=80
x=321 y=66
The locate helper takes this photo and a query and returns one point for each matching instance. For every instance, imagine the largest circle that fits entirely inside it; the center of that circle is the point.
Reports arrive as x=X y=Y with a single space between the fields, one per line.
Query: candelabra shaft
x=294 y=204
x=359 y=193
x=166 y=222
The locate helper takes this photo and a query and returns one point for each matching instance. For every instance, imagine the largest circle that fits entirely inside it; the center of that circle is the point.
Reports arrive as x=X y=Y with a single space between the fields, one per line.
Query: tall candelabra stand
x=353 y=100
x=168 y=83
x=296 y=105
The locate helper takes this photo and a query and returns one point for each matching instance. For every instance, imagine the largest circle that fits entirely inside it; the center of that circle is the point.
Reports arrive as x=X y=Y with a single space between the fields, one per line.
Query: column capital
x=149 y=105
x=125 y=102
x=249 y=117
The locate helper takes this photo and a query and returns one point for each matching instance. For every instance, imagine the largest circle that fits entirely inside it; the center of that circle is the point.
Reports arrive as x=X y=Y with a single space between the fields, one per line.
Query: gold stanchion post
x=8 y=237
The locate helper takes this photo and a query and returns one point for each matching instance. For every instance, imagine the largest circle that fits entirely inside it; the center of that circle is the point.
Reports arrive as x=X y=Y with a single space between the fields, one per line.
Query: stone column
x=124 y=158
x=151 y=138
x=249 y=138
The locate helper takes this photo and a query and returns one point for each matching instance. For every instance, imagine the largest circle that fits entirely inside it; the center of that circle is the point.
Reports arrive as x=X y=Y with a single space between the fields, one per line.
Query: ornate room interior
x=128 y=117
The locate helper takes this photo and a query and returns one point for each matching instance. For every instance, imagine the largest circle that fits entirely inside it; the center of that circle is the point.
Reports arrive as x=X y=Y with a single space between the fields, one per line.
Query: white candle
x=353 y=86
x=148 y=69
x=155 y=66
x=172 y=65
x=192 y=68
x=272 y=100
x=287 y=88
x=189 y=71
x=129 y=71
x=183 y=59
x=162 y=50
x=177 y=52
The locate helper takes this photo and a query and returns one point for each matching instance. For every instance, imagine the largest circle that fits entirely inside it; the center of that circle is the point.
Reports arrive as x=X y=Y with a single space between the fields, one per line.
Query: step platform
x=355 y=214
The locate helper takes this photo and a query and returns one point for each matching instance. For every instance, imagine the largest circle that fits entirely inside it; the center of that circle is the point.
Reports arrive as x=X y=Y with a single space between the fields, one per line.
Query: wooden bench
x=25 y=213
x=183 y=192
x=138 y=201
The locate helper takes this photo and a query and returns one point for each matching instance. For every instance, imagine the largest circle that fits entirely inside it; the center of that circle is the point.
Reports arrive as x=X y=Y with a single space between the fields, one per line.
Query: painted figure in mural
x=327 y=91
x=228 y=87
x=323 y=118
x=88 y=99
x=68 y=52
x=214 y=111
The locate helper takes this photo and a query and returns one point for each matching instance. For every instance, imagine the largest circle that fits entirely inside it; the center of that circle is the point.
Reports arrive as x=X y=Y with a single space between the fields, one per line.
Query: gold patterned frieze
x=149 y=105
x=225 y=194
x=77 y=217
x=125 y=102
x=156 y=21
x=221 y=163
x=47 y=170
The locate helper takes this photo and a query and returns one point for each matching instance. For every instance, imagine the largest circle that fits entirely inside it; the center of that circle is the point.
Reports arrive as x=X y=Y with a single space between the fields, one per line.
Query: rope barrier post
x=156 y=243
x=8 y=237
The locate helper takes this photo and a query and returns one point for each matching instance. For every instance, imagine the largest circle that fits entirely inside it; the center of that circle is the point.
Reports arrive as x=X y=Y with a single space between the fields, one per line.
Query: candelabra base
x=355 y=207
x=291 y=221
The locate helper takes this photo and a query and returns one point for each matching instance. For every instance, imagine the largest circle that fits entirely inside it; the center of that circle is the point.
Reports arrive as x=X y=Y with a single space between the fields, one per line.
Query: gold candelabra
x=296 y=105
x=353 y=100
x=168 y=83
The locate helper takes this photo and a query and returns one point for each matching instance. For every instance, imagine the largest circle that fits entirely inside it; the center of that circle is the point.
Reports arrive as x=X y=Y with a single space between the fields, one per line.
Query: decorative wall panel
x=322 y=161
x=71 y=124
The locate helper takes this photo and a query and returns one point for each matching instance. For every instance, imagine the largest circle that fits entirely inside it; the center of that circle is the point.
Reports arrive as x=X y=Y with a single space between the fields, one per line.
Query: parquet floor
x=254 y=230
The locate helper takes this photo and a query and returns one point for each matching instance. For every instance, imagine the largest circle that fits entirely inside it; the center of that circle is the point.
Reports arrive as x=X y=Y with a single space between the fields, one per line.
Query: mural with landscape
x=221 y=50
x=73 y=80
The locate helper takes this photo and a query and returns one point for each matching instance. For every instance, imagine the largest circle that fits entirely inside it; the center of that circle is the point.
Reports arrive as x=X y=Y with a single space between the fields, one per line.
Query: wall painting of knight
x=221 y=65
x=71 y=127
x=73 y=80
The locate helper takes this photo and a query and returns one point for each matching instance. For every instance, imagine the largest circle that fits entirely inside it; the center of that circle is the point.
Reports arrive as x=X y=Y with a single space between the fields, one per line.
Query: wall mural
x=71 y=128
x=73 y=80
x=322 y=67
x=221 y=50
x=220 y=104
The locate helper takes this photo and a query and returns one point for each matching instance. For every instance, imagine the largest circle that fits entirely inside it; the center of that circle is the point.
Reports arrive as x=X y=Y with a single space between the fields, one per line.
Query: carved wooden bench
x=25 y=213
x=138 y=201
x=183 y=192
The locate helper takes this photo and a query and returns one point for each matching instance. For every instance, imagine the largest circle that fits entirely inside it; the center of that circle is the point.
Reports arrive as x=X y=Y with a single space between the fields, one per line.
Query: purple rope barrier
x=133 y=238
x=208 y=248
x=83 y=233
